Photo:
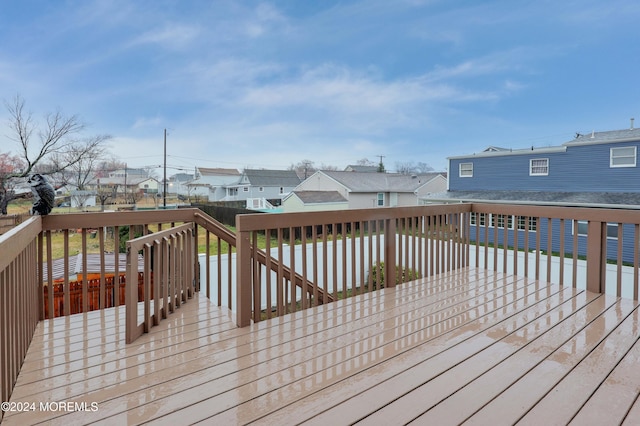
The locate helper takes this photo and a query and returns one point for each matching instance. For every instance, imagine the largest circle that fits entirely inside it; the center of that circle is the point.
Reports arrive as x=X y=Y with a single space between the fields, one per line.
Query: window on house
x=380 y=198
x=466 y=169
x=522 y=223
x=281 y=190
x=583 y=226
x=539 y=167
x=500 y=220
x=623 y=157
x=261 y=189
x=245 y=189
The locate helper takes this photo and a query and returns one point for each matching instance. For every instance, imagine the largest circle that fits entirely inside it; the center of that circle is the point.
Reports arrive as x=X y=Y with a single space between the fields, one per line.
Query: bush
x=402 y=275
x=124 y=236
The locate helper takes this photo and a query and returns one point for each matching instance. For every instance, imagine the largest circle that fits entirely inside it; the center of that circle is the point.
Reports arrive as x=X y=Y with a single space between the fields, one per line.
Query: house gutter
x=508 y=153
x=536 y=203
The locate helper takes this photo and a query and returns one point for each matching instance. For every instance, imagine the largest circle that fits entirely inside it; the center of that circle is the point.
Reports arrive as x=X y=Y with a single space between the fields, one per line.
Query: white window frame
x=613 y=156
x=499 y=221
x=245 y=189
x=465 y=170
x=612 y=229
x=380 y=199
x=523 y=226
x=537 y=173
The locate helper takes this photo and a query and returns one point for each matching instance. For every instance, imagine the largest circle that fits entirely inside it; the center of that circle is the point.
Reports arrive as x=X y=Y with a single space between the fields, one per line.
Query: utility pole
x=164 y=192
x=125 y=184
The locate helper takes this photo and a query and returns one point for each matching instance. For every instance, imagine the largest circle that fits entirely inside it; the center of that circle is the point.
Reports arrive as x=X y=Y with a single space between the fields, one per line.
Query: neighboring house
x=81 y=199
x=211 y=183
x=366 y=190
x=597 y=169
x=299 y=201
x=129 y=173
x=134 y=180
x=177 y=184
x=262 y=184
x=146 y=185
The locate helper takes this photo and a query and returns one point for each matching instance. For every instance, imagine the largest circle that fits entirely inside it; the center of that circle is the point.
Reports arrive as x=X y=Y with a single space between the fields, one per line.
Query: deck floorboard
x=470 y=345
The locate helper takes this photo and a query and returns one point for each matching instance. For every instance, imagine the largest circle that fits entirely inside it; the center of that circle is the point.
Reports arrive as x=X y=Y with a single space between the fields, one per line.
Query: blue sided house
x=597 y=170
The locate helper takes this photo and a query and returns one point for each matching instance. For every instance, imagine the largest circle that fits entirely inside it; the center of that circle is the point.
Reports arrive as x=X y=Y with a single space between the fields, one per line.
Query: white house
x=298 y=201
x=211 y=183
x=366 y=189
x=263 y=184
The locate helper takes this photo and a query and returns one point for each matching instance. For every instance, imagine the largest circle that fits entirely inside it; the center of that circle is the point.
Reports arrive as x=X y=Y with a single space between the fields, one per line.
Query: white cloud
x=264 y=19
x=144 y=122
x=172 y=36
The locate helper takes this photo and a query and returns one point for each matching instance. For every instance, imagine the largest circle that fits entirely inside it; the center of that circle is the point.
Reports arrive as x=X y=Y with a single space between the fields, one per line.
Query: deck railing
x=342 y=253
x=19 y=300
x=346 y=252
x=279 y=263
x=169 y=272
x=593 y=248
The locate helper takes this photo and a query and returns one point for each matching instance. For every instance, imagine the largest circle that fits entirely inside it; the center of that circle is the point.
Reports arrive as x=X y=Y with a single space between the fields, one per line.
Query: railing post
x=131 y=295
x=390 y=252
x=596 y=256
x=244 y=276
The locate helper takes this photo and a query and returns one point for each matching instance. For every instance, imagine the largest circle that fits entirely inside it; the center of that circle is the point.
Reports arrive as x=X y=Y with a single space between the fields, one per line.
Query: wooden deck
x=469 y=346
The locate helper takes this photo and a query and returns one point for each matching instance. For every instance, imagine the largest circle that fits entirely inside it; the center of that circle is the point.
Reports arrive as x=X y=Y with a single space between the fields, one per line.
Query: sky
x=267 y=84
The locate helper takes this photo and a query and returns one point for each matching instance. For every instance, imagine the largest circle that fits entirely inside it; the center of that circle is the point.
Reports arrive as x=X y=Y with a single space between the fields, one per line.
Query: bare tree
x=405 y=168
x=56 y=143
x=304 y=168
x=106 y=193
x=152 y=171
x=328 y=167
x=108 y=165
x=423 y=167
x=365 y=162
x=81 y=161
x=10 y=165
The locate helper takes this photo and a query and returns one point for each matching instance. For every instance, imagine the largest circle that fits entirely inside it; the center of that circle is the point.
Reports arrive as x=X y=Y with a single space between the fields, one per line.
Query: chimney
x=631 y=123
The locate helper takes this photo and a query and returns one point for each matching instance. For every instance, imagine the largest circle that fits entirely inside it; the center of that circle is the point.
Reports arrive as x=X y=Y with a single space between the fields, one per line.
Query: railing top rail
x=99 y=219
x=17 y=239
x=137 y=243
x=558 y=212
x=255 y=222
x=220 y=231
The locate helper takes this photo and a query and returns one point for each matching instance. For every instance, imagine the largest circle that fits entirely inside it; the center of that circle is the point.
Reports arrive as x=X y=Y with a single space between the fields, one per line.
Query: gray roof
x=604 y=137
x=380 y=182
x=583 y=199
x=611 y=136
x=311 y=197
x=263 y=177
x=218 y=172
x=181 y=177
x=130 y=180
